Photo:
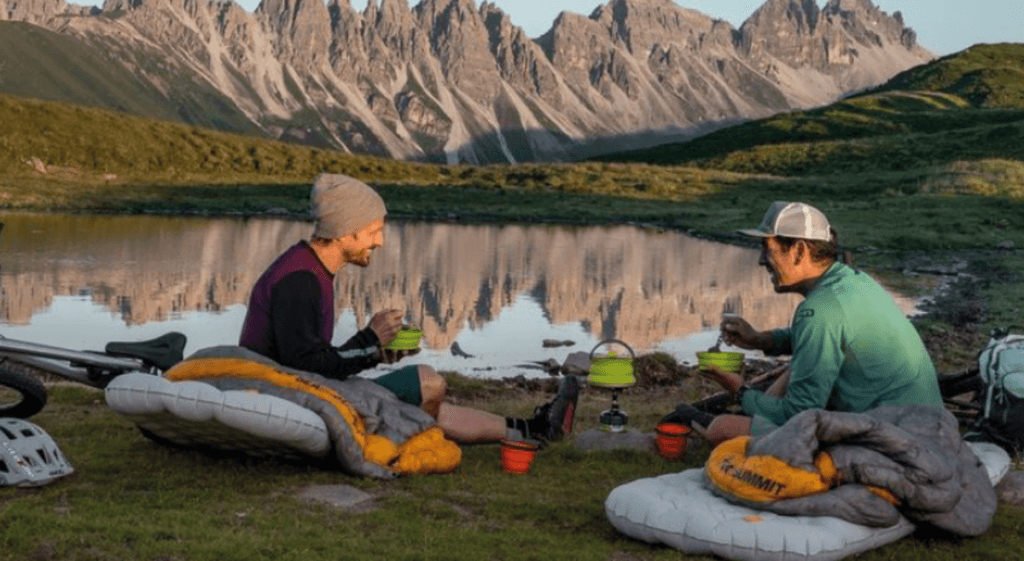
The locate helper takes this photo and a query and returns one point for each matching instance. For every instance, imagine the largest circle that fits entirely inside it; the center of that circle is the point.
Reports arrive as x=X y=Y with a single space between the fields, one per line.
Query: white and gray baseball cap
x=792 y=220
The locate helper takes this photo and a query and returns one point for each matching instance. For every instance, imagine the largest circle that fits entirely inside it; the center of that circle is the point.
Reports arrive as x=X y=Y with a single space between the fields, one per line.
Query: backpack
x=1001 y=369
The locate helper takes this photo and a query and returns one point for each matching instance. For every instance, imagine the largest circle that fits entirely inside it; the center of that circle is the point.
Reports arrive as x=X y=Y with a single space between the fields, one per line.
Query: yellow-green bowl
x=405 y=340
x=729 y=361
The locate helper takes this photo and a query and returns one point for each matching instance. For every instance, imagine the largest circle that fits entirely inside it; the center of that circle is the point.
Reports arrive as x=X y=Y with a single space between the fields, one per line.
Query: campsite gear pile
x=1001 y=369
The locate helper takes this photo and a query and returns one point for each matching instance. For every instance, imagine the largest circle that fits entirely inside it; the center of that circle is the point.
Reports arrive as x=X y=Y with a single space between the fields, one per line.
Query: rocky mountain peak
x=869 y=24
x=301 y=28
x=642 y=24
x=32 y=11
x=462 y=44
x=393 y=17
x=835 y=37
x=447 y=81
x=800 y=16
x=861 y=6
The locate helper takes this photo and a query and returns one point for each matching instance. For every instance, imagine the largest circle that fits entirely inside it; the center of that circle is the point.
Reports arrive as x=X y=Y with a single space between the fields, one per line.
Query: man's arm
x=778 y=342
x=295 y=316
x=817 y=358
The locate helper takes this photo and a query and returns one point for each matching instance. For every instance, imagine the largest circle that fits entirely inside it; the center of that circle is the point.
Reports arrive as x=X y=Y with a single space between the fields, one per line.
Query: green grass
x=986 y=75
x=132 y=499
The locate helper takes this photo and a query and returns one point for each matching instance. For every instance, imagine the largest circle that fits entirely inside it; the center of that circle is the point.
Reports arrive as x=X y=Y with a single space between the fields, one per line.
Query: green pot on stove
x=611 y=371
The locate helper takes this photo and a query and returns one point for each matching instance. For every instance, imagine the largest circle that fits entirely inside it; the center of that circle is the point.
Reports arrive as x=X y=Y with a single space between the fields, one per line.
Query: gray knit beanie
x=343 y=205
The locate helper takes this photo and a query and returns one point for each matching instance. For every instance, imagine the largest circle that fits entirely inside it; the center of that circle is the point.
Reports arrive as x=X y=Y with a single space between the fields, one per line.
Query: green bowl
x=405 y=340
x=731 y=362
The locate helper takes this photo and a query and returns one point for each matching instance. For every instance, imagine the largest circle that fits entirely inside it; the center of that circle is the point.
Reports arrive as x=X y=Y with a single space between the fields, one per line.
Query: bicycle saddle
x=163 y=352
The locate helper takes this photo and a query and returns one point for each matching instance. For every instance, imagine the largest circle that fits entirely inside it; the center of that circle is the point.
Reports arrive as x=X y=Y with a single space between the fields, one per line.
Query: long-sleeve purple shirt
x=291 y=319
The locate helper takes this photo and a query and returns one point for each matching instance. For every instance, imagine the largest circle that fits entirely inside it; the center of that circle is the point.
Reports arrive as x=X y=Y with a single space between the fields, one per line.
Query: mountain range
x=447 y=80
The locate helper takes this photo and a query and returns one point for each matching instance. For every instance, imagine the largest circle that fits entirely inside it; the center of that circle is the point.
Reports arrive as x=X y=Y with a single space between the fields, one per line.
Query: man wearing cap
x=291 y=320
x=852 y=348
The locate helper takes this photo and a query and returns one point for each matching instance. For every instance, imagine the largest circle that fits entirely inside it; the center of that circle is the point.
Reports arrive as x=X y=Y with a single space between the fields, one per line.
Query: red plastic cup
x=517 y=455
x=671 y=440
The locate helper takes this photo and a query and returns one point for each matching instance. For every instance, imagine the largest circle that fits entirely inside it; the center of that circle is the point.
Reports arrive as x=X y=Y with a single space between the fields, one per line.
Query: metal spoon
x=727 y=310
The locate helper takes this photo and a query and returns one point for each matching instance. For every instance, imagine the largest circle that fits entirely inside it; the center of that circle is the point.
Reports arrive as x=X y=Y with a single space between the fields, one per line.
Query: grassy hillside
x=985 y=75
x=39 y=63
x=57 y=156
x=965 y=107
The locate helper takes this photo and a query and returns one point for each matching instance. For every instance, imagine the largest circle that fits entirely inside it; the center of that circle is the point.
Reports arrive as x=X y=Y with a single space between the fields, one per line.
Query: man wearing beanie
x=852 y=348
x=291 y=320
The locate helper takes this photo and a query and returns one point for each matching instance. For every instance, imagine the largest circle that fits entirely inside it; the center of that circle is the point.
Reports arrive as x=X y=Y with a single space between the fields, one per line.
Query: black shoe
x=686 y=414
x=554 y=419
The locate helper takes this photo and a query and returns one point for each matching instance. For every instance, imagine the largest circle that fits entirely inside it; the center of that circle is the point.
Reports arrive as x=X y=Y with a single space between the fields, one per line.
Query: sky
x=943 y=26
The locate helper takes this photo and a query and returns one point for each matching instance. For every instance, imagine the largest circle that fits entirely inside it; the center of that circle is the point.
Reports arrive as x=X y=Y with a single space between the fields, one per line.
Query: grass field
x=134 y=499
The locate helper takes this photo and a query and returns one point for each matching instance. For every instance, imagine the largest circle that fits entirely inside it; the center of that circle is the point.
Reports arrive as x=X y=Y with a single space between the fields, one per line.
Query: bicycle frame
x=78 y=366
x=18 y=360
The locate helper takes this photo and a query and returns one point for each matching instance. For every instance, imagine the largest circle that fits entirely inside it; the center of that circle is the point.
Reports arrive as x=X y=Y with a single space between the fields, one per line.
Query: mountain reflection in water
x=80 y=281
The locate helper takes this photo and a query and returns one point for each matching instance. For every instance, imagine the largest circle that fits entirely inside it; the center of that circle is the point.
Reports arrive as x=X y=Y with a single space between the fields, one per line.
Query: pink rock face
x=447 y=80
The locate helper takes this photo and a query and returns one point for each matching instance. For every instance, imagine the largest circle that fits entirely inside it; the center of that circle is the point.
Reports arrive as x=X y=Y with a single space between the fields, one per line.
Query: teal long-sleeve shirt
x=852 y=350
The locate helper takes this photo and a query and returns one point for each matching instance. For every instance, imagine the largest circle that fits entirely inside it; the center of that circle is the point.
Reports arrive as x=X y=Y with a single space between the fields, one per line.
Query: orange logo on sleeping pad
x=765 y=478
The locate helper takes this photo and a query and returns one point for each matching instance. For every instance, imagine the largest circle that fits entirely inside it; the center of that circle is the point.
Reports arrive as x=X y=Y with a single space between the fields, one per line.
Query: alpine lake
x=511 y=296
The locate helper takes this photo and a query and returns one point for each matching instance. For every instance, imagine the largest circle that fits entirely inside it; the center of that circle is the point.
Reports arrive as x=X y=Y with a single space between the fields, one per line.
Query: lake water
x=79 y=281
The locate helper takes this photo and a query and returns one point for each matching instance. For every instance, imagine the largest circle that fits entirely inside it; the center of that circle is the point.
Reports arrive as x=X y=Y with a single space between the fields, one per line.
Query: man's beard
x=777 y=283
x=360 y=258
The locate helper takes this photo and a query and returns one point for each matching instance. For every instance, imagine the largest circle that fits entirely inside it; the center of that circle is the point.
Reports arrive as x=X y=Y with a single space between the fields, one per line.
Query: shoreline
x=896 y=245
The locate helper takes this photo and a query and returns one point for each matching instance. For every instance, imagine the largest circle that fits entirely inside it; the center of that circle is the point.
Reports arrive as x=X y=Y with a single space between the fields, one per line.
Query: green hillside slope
x=966 y=106
x=985 y=75
x=78 y=145
x=81 y=139
x=38 y=63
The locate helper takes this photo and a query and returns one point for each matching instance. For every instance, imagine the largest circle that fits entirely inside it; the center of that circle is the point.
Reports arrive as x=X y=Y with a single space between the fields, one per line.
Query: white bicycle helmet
x=28 y=456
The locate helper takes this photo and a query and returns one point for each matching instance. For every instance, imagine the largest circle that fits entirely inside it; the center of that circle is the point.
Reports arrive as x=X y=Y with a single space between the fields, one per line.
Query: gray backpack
x=1001 y=369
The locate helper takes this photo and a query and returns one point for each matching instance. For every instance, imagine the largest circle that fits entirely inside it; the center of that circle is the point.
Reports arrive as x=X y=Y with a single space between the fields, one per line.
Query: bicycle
x=19 y=359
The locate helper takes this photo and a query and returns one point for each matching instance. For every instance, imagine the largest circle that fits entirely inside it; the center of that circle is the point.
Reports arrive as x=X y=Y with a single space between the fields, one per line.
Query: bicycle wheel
x=21 y=393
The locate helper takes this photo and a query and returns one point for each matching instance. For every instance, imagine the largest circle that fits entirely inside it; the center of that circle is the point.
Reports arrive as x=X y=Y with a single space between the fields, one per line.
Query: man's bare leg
x=473 y=426
x=470 y=426
x=433 y=388
x=724 y=427
x=461 y=424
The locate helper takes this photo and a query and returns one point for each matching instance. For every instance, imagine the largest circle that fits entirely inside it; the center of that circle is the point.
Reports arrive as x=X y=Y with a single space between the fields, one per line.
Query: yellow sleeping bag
x=425 y=452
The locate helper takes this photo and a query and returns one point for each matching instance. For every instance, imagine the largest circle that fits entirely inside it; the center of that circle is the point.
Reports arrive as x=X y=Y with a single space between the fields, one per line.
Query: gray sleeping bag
x=914 y=451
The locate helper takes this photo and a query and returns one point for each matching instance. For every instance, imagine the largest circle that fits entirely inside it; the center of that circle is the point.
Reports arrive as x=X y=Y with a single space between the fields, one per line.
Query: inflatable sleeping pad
x=681 y=511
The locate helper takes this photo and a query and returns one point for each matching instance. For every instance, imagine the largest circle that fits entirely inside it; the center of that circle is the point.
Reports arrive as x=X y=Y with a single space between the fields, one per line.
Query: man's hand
x=738 y=333
x=386 y=325
x=390 y=356
x=730 y=381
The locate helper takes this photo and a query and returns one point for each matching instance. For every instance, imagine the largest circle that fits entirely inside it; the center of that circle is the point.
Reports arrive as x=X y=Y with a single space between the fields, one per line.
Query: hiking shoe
x=686 y=414
x=554 y=420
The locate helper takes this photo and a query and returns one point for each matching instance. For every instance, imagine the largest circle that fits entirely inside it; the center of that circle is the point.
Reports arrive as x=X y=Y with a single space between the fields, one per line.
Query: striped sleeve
x=295 y=305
